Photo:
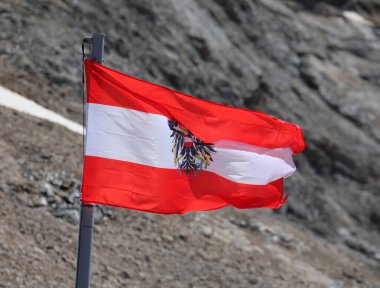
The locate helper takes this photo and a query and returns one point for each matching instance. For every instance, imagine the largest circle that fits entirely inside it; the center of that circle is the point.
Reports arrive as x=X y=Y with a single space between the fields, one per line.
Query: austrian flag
x=154 y=149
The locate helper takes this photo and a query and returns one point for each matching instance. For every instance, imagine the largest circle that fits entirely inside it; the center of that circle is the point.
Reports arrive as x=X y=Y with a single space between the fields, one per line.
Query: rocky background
x=315 y=63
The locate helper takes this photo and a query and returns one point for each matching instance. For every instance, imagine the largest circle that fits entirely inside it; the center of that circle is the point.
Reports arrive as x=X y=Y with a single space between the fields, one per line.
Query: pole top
x=97 y=47
x=98 y=35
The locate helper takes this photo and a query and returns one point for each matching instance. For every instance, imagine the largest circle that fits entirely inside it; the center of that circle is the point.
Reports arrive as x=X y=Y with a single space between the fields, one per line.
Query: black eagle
x=191 y=155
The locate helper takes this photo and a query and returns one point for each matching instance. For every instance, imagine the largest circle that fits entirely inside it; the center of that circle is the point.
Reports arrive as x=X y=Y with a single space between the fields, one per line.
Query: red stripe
x=207 y=120
x=166 y=191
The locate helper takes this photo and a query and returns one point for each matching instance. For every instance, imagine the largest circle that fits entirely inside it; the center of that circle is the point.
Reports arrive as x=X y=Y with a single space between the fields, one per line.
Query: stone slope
x=314 y=65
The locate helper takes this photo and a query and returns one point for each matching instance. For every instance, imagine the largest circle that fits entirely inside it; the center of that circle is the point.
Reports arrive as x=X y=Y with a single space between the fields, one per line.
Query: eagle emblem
x=191 y=155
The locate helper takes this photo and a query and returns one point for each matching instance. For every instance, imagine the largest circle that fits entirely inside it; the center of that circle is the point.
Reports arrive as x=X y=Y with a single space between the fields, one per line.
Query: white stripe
x=20 y=103
x=144 y=138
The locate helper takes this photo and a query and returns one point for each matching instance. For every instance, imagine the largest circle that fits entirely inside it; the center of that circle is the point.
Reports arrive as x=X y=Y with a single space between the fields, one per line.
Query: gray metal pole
x=87 y=209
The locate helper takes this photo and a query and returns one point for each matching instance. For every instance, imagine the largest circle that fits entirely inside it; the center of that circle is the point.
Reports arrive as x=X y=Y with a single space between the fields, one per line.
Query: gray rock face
x=303 y=61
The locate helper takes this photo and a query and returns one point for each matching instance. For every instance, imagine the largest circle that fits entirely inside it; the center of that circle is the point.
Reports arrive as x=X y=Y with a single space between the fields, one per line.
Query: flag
x=154 y=149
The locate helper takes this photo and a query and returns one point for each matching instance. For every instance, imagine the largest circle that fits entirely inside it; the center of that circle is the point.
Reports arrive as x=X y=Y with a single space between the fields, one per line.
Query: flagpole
x=87 y=209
